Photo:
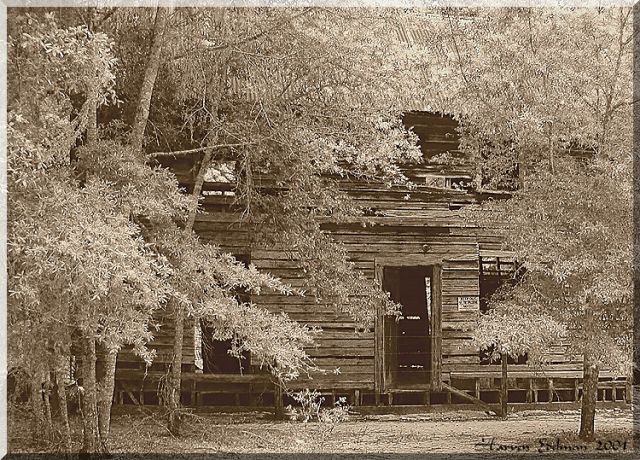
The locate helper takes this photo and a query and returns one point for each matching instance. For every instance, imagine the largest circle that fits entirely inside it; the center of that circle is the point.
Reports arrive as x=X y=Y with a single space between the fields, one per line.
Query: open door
x=409 y=343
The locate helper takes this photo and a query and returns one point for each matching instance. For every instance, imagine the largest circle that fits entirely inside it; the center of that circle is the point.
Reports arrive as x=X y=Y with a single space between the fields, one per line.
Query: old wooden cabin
x=438 y=267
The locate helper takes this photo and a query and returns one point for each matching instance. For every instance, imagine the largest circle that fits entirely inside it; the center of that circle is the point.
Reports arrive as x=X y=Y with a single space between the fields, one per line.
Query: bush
x=311 y=408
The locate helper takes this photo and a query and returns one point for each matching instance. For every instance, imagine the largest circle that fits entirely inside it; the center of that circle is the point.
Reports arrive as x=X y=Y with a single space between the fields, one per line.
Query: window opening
x=494 y=273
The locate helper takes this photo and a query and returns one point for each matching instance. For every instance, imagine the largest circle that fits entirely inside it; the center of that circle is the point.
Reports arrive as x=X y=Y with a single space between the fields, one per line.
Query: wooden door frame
x=425 y=260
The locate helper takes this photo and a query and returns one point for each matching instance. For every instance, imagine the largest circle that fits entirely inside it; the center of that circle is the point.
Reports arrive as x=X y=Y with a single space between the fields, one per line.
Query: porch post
x=436 y=329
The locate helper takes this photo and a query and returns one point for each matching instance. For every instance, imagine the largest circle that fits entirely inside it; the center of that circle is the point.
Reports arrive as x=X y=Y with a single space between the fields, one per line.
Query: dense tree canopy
x=98 y=240
x=545 y=100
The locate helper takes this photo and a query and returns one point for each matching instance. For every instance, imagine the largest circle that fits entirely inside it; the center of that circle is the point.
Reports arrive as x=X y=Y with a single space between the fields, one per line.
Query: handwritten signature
x=552 y=445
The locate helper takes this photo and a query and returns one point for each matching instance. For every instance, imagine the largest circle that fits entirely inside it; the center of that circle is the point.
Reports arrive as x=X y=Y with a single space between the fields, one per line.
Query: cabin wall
x=409 y=223
x=400 y=223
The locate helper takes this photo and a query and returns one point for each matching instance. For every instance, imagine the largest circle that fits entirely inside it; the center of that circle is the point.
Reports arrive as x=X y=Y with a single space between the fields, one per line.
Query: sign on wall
x=470 y=303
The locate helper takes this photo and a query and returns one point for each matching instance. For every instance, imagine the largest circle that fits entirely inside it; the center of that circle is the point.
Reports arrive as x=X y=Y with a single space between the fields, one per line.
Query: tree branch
x=107 y=15
x=455 y=45
x=250 y=38
x=198 y=150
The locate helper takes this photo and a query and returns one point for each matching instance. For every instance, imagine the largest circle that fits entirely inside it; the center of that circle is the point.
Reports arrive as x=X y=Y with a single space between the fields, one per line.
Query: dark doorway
x=407 y=339
x=216 y=358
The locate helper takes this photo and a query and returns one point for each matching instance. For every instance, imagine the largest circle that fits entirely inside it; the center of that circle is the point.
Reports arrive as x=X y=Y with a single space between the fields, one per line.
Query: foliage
x=94 y=243
x=205 y=281
x=311 y=99
x=546 y=93
x=516 y=329
x=311 y=409
x=286 y=117
x=338 y=413
x=60 y=62
x=531 y=82
x=577 y=254
x=107 y=182
x=310 y=402
x=144 y=192
x=76 y=264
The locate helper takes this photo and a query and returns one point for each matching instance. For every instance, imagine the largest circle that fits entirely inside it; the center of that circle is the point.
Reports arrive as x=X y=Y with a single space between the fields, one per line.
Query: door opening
x=408 y=339
x=213 y=356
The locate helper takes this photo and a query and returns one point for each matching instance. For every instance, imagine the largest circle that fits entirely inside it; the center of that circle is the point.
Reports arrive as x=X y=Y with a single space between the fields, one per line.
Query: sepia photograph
x=240 y=229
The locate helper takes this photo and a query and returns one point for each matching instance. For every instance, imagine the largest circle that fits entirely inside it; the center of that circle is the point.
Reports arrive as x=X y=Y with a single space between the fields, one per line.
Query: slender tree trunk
x=106 y=386
x=589 y=398
x=279 y=402
x=61 y=379
x=197 y=189
x=175 y=379
x=37 y=405
x=136 y=138
x=175 y=382
x=46 y=392
x=149 y=80
x=504 y=389
x=92 y=120
x=91 y=434
x=175 y=376
x=522 y=172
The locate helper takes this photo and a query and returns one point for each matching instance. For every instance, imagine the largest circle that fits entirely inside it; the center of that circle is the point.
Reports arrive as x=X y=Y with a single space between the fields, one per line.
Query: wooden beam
x=436 y=328
x=132 y=397
x=278 y=401
x=379 y=383
x=468 y=397
x=504 y=389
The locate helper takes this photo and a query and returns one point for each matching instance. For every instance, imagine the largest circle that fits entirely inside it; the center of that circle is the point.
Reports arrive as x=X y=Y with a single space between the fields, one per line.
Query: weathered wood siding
x=401 y=222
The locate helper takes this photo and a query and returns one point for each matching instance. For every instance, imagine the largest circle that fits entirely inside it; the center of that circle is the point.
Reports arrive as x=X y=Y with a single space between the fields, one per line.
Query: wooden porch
x=231 y=393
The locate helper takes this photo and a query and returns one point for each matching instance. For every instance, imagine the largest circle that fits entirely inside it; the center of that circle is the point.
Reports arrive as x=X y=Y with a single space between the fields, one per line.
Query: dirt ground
x=454 y=432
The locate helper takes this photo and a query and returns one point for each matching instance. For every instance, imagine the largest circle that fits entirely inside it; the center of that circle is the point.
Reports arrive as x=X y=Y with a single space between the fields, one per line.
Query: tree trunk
x=149 y=80
x=174 y=389
x=136 y=141
x=521 y=173
x=61 y=378
x=197 y=189
x=589 y=398
x=175 y=377
x=46 y=392
x=105 y=397
x=91 y=434
x=92 y=120
x=504 y=389
x=37 y=405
